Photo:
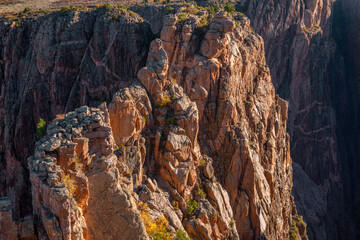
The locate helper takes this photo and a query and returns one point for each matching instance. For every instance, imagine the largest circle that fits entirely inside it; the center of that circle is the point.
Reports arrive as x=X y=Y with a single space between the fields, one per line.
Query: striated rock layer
x=194 y=137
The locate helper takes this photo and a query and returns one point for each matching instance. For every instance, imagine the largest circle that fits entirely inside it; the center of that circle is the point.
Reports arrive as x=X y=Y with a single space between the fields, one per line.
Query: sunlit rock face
x=192 y=132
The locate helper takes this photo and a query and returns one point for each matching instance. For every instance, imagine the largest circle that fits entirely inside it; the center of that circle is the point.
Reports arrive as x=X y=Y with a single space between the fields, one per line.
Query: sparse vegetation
x=40 y=128
x=229 y=7
x=181 y=235
x=158 y=229
x=175 y=205
x=182 y=17
x=203 y=22
x=26 y=10
x=294 y=231
x=212 y=9
x=202 y=162
x=191 y=206
x=232 y=223
x=64 y=11
x=163 y=102
x=173 y=80
x=78 y=163
x=201 y=194
x=69 y=184
x=107 y=6
x=170 y=10
x=170 y=120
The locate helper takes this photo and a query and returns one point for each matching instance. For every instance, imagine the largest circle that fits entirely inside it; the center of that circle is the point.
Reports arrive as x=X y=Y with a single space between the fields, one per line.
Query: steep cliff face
x=194 y=139
x=346 y=27
x=54 y=63
x=317 y=75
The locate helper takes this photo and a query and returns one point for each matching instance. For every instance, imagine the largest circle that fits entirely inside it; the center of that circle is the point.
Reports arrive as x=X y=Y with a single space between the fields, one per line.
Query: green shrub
x=26 y=10
x=64 y=10
x=40 y=128
x=229 y=7
x=202 y=162
x=107 y=6
x=191 y=206
x=232 y=223
x=182 y=17
x=166 y=2
x=156 y=0
x=181 y=235
x=212 y=9
x=203 y=22
x=169 y=10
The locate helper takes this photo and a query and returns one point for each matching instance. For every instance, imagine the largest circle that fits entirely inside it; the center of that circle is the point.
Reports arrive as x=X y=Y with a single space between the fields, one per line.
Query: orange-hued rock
x=75 y=202
x=199 y=137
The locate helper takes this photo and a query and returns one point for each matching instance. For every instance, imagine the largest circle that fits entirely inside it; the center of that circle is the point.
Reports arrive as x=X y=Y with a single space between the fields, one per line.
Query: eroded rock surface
x=197 y=134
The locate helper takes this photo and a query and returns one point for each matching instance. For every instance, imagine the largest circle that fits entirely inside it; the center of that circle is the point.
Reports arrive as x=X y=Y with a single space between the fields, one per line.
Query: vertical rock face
x=54 y=63
x=195 y=138
x=311 y=49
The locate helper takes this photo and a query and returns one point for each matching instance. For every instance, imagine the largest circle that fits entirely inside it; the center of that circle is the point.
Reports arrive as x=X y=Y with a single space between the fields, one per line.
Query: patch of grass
x=40 y=129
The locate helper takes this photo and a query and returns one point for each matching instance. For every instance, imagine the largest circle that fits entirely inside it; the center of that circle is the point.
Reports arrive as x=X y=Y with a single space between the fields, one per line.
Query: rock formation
x=194 y=138
x=312 y=49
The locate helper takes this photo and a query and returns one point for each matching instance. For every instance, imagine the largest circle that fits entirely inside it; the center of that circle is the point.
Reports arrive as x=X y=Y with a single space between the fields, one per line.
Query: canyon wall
x=312 y=49
x=194 y=135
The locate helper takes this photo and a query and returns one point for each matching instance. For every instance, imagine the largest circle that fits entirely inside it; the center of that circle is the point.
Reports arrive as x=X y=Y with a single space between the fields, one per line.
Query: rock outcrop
x=312 y=49
x=193 y=142
x=52 y=64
